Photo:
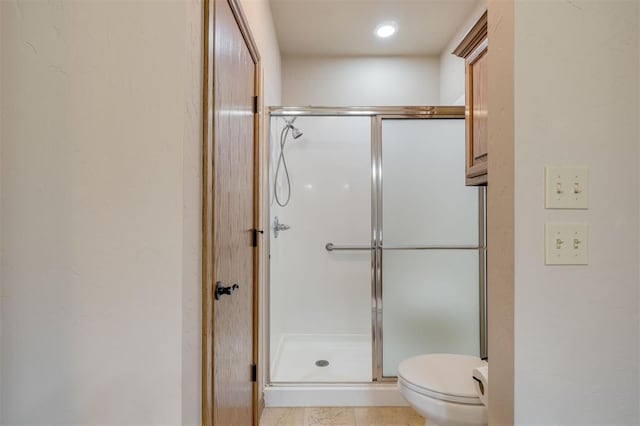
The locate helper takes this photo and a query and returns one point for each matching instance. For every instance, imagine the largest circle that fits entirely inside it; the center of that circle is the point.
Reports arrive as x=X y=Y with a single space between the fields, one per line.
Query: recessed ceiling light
x=386 y=29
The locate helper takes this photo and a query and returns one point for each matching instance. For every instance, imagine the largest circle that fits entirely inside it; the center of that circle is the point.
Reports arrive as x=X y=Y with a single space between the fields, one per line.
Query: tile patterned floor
x=341 y=416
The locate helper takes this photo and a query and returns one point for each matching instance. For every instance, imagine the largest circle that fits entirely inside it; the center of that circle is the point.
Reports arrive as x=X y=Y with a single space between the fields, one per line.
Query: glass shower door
x=430 y=232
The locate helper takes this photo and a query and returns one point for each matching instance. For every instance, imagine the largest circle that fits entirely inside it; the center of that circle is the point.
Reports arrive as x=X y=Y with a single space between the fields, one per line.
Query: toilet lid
x=443 y=376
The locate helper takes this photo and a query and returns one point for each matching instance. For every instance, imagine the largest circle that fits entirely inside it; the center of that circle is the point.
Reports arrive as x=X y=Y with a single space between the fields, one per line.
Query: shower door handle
x=221 y=289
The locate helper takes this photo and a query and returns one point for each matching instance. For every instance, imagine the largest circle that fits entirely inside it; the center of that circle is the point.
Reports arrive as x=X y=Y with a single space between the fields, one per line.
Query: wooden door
x=230 y=286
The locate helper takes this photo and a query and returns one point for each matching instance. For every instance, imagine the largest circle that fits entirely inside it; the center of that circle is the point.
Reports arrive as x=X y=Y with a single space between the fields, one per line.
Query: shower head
x=295 y=132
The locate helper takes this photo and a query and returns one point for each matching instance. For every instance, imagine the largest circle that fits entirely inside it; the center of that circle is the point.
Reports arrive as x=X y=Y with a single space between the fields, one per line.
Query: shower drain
x=322 y=363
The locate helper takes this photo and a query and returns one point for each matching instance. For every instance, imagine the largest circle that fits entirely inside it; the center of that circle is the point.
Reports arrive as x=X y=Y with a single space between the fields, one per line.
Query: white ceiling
x=346 y=27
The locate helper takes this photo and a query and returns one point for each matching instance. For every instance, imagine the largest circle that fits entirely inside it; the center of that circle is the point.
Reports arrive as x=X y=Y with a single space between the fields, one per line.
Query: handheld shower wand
x=282 y=162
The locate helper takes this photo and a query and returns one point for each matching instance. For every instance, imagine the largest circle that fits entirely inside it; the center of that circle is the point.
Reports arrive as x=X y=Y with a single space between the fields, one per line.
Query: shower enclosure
x=379 y=253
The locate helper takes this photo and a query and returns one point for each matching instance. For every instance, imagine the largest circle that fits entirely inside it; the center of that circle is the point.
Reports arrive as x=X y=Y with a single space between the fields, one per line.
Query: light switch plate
x=566 y=244
x=566 y=187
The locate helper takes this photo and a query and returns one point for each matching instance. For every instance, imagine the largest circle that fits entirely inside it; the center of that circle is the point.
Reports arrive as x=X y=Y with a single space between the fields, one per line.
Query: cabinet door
x=477 y=115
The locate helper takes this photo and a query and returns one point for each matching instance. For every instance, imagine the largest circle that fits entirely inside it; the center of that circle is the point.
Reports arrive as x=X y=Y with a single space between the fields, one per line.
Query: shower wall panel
x=317 y=295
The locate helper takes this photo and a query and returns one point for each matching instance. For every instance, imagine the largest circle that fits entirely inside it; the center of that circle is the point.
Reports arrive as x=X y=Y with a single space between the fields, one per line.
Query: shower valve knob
x=222 y=289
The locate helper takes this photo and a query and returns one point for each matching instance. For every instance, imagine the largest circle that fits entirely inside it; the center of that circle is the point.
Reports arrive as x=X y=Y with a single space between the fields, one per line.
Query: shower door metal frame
x=378 y=114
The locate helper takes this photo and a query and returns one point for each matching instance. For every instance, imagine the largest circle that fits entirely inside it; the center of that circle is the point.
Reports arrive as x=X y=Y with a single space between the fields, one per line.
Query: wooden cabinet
x=474 y=50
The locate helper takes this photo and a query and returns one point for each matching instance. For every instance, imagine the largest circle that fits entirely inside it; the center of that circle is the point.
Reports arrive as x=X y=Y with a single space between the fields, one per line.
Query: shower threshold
x=334 y=395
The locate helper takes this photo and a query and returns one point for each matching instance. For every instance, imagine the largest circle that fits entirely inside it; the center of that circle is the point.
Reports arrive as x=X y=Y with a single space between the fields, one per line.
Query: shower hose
x=282 y=165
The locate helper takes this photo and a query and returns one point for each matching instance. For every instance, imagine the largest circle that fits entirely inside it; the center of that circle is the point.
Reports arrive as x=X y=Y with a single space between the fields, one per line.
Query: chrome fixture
x=282 y=162
x=277 y=227
x=443 y=247
x=409 y=112
x=333 y=247
x=295 y=132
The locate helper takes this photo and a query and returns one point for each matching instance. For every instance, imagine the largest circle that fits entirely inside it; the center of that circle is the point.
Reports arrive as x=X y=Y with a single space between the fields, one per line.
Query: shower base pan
x=326 y=370
x=311 y=358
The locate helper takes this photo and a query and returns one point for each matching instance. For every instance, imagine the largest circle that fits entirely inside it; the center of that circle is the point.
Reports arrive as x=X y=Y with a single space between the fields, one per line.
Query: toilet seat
x=445 y=377
x=439 y=396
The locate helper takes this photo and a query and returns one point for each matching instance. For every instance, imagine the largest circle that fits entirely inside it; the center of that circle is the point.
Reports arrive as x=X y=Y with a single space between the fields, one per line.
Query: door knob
x=221 y=289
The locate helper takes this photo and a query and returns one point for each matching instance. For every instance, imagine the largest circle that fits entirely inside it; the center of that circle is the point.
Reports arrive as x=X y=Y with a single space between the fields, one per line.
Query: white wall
x=1 y=255
x=452 y=80
x=258 y=13
x=100 y=213
x=1 y=247
x=191 y=217
x=500 y=212
x=576 y=102
x=360 y=81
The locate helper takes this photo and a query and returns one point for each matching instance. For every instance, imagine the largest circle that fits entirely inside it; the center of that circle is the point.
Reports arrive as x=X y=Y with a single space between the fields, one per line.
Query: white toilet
x=441 y=388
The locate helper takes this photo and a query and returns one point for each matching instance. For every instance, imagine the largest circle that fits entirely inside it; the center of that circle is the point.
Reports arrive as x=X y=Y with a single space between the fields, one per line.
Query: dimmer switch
x=566 y=187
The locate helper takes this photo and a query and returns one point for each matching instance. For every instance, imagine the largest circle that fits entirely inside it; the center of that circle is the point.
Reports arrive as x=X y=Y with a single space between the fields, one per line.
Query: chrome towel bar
x=433 y=248
x=333 y=247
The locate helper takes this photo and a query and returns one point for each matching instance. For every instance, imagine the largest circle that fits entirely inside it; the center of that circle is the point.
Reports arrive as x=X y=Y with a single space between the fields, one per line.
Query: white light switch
x=566 y=244
x=566 y=187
